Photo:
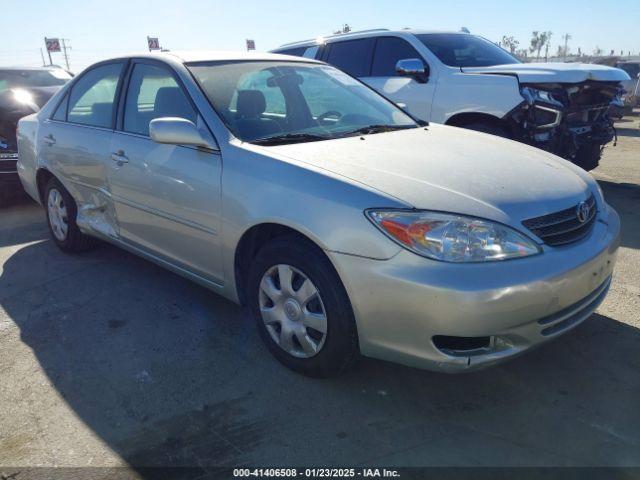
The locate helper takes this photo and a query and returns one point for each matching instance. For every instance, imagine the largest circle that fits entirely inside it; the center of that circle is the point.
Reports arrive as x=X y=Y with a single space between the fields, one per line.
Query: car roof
x=362 y=34
x=189 y=56
x=46 y=67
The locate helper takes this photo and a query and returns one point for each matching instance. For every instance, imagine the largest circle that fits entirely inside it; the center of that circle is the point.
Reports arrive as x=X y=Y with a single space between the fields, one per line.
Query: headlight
x=452 y=238
x=22 y=96
x=533 y=95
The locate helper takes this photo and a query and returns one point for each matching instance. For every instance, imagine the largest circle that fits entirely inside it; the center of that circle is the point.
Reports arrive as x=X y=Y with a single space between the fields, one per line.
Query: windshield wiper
x=290 y=138
x=369 y=129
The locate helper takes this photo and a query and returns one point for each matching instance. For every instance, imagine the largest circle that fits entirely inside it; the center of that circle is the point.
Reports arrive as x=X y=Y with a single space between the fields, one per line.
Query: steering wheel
x=331 y=113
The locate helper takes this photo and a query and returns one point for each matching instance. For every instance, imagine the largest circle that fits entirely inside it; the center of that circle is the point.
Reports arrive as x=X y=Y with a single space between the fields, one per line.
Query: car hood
x=449 y=169
x=554 y=72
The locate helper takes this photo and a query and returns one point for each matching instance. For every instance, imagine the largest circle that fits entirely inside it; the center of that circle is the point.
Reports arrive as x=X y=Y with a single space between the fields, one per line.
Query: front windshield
x=294 y=101
x=464 y=50
x=33 y=78
x=632 y=69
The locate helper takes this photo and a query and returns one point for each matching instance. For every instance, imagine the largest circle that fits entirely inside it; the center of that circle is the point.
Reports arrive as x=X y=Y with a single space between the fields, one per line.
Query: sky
x=100 y=29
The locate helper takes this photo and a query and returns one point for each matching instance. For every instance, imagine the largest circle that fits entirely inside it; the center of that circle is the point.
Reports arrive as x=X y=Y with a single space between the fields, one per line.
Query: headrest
x=251 y=103
x=171 y=102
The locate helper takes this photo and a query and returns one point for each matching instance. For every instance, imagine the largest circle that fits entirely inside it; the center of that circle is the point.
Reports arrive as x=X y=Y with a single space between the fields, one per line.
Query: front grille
x=586 y=115
x=563 y=227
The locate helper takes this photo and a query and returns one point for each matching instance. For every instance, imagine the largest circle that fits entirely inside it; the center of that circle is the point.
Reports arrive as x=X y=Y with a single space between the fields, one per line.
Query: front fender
x=326 y=208
x=458 y=92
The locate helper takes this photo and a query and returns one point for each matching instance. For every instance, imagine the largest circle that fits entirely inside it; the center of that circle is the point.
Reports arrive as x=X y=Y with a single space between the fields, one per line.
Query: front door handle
x=119 y=157
x=49 y=139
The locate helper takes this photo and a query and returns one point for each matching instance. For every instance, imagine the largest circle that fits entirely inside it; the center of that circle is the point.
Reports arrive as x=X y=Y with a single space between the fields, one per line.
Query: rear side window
x=92 y=98
x=153 y=93
x=352 y=56
x=296 y=52
x=311 y=52
x=306 y=52
x=390 y=50
x=61 y=112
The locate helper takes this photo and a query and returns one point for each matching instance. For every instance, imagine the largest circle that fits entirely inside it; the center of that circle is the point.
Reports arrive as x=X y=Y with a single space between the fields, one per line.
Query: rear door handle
x=119 y=157
x=49 y=139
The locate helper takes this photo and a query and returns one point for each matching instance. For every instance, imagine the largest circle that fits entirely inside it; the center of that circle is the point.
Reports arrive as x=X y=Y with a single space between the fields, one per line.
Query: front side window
x=92 y=98
x=464 y=50
x=352 y=56
x=390 y=50
x=311 y=52
x=153 y=93
x=293 y=101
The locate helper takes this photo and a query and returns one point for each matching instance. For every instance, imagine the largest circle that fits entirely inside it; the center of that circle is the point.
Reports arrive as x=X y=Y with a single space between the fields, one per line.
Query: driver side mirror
x=414 y=68
x=177 y=131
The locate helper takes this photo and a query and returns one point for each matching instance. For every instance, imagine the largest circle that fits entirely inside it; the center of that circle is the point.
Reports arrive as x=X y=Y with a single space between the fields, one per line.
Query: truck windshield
x=276 y=102
x=632 y=69
x=464 y=50
x=33 y=78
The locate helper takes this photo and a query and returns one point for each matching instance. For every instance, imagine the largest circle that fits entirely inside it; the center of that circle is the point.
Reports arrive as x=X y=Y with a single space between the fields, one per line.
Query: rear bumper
x=401 y=304
x=10 y=184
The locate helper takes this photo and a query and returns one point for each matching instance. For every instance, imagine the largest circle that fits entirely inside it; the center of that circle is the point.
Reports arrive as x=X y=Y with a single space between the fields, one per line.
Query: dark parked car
x=23 y=91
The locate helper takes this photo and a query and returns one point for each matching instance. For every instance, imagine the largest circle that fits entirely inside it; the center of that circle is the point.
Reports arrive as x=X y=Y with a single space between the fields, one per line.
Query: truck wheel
x=489 y=128
x=301 y=308
x=588 y=156
x=61 y=217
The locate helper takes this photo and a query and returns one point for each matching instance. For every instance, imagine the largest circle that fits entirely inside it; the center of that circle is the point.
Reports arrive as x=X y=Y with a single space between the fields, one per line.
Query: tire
x=489 y=128
x=63 y=227
x=588 y=156
x=309 y=351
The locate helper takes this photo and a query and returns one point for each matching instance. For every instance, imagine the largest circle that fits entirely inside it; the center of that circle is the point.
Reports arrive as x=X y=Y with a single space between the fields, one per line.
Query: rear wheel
x=301 y=308
x=61 y=217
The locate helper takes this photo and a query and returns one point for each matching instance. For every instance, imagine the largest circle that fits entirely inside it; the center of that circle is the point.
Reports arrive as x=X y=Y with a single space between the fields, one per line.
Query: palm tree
x=538 y=41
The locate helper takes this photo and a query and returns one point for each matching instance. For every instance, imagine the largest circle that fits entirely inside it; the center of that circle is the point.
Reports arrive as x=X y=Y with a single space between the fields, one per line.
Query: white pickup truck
x=467 y=81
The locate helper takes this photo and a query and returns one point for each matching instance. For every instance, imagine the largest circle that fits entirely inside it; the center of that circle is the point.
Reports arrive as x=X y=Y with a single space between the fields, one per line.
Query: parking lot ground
x=106 y=359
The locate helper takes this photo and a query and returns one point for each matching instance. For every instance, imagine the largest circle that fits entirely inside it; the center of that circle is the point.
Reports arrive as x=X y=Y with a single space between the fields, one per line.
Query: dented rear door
x=75 y=144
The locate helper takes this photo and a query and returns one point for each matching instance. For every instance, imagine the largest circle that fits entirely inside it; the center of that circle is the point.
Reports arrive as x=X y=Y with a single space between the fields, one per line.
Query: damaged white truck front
x=467 y=81
x=565 y=109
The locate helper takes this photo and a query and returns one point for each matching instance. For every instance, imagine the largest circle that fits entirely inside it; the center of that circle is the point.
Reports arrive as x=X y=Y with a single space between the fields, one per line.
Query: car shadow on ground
x=625 y=199
x=22 y=221
x=168 y=374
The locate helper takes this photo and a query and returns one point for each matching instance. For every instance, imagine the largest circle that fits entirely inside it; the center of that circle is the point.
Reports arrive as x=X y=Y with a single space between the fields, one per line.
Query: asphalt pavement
x=108 y=360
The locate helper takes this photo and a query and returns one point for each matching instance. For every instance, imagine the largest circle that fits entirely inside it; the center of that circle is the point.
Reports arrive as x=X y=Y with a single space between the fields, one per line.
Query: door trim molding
x=166 y=216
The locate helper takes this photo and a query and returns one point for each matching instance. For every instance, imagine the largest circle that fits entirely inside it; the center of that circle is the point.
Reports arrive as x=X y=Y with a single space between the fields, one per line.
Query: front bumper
x=402 y=303
x=562 y=130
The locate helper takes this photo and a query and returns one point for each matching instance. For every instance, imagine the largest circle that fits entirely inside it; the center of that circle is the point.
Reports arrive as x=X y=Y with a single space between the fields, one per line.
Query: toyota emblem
x=582 y=212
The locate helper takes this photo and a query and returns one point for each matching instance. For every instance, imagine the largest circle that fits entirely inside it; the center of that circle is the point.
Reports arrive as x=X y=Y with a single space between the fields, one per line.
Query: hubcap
x=292 y=311
x=57 y=215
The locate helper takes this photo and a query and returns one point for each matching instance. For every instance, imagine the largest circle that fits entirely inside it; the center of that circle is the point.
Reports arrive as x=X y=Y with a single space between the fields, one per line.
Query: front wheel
x=489 y=128
x=302 y=309
x=588 y=156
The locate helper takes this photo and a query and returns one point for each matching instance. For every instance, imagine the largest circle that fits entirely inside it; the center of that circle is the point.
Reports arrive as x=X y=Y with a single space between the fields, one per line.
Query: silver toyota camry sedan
x=345 y=226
